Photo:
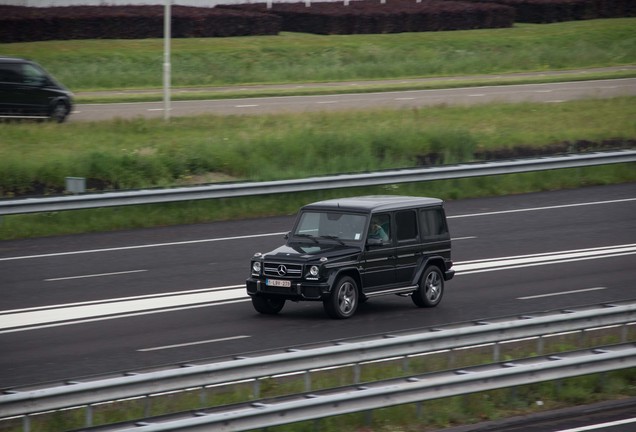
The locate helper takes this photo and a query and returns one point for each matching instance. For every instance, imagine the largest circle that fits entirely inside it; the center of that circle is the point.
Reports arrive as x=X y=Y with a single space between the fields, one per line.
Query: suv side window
x=406 y=222
x=380 y=227
x=433 y=224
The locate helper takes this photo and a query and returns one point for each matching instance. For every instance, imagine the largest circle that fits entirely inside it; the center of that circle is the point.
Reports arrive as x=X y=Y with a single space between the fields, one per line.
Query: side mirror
x=286 y=236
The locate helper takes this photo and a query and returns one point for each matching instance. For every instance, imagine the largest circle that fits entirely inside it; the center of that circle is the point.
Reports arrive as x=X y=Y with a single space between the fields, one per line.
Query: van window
x=406 y=225
x=433 y=224
x=32 y=75
x=10 y=72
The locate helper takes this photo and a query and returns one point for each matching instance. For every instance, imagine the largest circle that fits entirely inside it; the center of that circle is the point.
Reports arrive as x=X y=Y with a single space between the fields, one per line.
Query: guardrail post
x=405 y=364
x=496 y=352
x=257 y=388
x=89 y=416
x=356 y=373
x=307 y=380
x=26 y=423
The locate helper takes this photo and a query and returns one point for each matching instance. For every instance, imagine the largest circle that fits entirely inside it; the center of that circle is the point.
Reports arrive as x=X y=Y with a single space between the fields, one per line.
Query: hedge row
x=395 y=16
x=548 y=11
x=25 y=24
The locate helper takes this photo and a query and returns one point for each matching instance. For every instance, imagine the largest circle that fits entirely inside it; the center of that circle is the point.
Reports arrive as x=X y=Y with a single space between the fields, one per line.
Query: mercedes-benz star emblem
x=282 y=270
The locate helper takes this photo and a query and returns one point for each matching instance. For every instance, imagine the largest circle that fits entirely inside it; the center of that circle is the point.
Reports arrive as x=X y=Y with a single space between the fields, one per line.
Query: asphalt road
x=97 y=303
x=547 y=93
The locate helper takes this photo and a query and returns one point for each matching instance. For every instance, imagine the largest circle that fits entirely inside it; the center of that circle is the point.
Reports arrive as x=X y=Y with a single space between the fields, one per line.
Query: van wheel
x=60 y=112
x=268 y=305
x=431 y=288
x=343 y=300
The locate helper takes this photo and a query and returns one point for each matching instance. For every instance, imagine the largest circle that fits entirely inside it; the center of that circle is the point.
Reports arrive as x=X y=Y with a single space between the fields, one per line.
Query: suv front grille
x=280 y=270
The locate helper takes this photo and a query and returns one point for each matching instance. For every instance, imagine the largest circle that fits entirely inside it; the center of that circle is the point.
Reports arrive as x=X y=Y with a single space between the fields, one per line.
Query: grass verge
x=140 y=153
x=299 y=58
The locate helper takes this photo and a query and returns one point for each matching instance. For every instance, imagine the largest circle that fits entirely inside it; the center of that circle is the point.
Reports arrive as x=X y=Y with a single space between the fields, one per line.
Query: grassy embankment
x=144 y=153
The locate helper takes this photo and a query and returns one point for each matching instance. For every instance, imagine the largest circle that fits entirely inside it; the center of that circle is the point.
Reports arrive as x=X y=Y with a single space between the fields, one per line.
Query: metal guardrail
x=382 y=394
x=23 y=403
x=228 y=190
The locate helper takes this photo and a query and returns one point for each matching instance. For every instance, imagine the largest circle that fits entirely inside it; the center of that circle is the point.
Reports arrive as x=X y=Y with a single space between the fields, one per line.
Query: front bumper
x=300 y=290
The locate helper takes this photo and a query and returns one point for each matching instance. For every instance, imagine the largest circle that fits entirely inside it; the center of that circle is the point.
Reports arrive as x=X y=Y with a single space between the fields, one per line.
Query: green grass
x=138 y=153
x=296 y=57
x=142 y=153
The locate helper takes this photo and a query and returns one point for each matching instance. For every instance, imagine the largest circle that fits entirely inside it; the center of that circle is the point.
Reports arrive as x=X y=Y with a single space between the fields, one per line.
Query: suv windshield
x=331 y=225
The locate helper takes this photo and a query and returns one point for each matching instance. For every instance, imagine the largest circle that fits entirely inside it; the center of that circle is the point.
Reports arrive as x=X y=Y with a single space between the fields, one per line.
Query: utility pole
x=166 y=60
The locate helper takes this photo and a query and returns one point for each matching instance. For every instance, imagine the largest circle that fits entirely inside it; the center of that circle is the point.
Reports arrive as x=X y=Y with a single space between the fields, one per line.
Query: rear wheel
x=431 y=288
x=343 y=300
x=268 y=305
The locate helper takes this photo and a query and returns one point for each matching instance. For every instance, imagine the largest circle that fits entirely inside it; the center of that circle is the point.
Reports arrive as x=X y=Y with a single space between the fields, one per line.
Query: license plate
x=278 y=283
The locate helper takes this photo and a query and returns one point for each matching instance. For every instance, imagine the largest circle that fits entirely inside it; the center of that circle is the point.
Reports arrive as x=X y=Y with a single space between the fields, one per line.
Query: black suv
x=345 y=251
x=28 y=91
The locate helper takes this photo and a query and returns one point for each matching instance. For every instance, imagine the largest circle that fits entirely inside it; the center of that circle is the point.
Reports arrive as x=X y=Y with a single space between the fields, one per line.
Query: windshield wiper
x=334 y=237
x=307 y=236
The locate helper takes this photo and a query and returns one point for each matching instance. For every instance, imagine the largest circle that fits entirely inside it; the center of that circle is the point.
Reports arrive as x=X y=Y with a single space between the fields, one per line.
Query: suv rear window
x=433 y=224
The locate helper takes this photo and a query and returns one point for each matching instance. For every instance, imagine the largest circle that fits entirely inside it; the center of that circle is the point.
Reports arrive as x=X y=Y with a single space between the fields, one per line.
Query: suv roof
x=374 y=203
x=4 y=59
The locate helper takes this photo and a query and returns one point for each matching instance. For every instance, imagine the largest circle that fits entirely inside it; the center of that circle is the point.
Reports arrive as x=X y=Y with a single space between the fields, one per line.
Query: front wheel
x=431 y=288
x=60 y=112
x=268 y=305
x=343 y=300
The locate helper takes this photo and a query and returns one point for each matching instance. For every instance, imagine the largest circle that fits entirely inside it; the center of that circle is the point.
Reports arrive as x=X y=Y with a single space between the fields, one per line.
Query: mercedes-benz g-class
x=345 y=251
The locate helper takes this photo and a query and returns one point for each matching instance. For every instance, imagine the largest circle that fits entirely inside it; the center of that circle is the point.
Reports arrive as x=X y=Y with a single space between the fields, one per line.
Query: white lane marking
x=154 y=109
x=181 y=345
x=94 y=275
x=463 y=238
x=66 y=314
x=131 y=306
x=404 y=98
x=327 y=102
x=128 y=315
x=596 y=427
x=507 y=263
x=477 y=95
x=283 y=233
x=188 y=242
x=561 y=293
x=246 y=106
x=543 y=208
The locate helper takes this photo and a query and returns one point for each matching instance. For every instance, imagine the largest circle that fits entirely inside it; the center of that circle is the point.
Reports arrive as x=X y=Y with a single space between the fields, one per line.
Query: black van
x=28 y=91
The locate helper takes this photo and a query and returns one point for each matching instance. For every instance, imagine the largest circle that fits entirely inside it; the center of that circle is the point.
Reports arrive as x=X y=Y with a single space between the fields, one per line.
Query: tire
x=59 y=112
x=343 y=300
x=431 y=288
x=268 y=305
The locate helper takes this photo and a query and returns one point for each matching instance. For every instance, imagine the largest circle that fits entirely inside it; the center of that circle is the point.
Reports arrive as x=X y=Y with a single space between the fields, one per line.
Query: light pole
x=166 y=60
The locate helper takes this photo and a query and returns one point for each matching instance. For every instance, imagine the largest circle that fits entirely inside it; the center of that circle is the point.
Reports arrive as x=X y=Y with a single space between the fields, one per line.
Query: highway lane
x=547 y=93
x=188 y=268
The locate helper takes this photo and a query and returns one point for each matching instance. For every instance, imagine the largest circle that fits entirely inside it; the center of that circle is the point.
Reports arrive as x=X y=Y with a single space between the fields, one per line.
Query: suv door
x=378 y=259
x=408 y=249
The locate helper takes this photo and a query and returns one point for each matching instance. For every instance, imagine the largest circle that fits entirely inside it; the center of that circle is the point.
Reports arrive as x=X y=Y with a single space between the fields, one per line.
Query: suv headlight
x=314 y=271
x=256 y=268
